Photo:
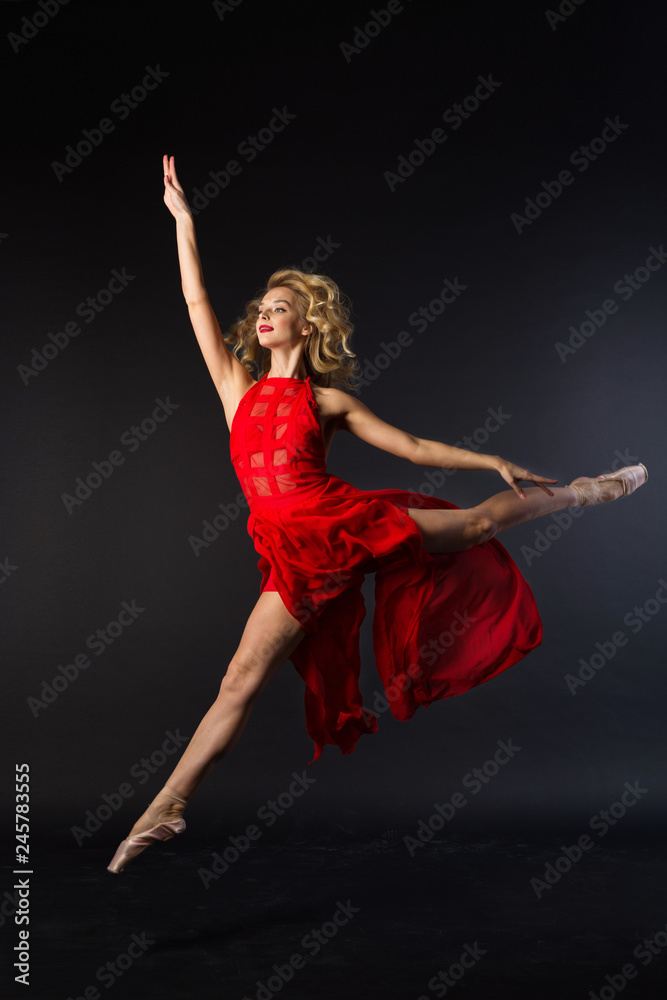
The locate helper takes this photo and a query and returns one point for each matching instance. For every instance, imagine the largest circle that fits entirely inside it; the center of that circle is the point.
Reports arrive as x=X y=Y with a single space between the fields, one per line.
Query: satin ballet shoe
x=132 y=846
x=591 y=491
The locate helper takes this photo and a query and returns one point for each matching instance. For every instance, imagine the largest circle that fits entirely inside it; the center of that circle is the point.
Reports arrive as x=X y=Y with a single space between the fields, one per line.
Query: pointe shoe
x=132 y=846
x=591 y=492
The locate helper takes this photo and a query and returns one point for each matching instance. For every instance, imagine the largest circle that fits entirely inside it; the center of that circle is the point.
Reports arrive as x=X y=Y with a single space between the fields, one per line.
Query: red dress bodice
x=276 y=443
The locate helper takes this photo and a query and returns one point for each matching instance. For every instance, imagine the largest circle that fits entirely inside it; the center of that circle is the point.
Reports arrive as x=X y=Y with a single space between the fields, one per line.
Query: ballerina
x=452 y=609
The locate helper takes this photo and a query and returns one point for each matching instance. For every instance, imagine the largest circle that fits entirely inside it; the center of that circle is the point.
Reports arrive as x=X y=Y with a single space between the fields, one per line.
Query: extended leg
x=455 y=530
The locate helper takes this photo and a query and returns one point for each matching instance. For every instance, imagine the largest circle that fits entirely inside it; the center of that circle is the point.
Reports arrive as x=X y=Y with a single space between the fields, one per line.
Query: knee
x=480 y=528
x=241 y=680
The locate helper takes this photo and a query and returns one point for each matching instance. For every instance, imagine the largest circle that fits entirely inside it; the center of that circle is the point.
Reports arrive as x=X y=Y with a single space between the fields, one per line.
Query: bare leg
x=270 y=636
x=506 y=509
x=455 y=530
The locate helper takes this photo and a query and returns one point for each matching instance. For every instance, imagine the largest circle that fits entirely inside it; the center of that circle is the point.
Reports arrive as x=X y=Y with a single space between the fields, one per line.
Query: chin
x=269 y=340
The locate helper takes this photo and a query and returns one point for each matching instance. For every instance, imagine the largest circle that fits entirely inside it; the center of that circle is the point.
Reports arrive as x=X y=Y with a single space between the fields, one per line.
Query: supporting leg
x=270 y=636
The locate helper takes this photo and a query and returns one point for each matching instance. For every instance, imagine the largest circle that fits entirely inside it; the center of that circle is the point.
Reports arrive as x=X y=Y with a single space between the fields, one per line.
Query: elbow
x=416 y=452
x=198 y=298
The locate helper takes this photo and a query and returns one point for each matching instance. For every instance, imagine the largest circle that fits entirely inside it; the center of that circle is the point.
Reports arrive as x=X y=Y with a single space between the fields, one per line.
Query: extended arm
x=356 y=418
x=229 y=376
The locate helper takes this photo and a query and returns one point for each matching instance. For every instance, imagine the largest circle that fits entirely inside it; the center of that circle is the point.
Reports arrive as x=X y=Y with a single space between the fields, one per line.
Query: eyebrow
x=274 y=302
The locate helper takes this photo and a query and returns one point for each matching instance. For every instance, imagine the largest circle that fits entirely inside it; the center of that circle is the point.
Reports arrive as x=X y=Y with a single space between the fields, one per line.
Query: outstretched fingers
x=514 y=475
x=540 y=481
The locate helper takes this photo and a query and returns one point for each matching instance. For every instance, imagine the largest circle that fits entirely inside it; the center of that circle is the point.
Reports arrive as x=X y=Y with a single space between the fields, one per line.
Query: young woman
x=452 y=609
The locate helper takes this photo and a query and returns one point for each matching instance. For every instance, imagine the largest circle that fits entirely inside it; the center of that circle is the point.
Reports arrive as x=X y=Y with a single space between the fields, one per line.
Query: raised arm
x=229 y=376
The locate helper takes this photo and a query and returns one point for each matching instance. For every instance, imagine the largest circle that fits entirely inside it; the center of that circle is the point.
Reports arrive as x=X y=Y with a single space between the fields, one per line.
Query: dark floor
x=388 y=922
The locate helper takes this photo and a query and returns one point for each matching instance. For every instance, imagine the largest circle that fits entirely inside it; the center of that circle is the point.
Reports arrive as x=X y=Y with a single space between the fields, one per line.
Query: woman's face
x=279 y=322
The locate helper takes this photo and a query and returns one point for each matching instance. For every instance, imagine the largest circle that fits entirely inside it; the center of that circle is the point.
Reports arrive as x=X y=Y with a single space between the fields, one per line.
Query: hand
x=513 y=475
x=174 y=196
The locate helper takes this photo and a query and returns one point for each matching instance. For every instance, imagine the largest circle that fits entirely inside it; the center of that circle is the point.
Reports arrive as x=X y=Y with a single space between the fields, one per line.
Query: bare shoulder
x=333 y=404
x=343 y=411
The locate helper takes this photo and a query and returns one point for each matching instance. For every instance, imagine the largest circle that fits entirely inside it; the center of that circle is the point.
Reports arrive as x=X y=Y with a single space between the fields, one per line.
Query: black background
x=323 y=177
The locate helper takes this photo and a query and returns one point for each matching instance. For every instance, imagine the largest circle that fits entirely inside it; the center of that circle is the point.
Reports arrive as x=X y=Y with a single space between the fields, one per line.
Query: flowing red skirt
x=442 y=623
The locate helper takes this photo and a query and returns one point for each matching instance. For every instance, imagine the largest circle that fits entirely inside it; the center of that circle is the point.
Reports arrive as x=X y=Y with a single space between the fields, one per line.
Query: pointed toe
x=132 y=846
x=591 y=491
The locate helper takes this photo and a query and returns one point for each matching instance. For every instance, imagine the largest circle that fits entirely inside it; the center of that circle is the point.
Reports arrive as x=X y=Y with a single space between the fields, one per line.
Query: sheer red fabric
x=441 y=624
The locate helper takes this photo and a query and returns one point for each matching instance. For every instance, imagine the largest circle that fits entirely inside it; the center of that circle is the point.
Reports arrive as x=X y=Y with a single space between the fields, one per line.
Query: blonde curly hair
x=328 y=357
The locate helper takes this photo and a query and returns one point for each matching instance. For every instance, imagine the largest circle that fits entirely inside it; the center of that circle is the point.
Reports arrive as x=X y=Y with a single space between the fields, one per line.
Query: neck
x=293 y=370
x=288 y=361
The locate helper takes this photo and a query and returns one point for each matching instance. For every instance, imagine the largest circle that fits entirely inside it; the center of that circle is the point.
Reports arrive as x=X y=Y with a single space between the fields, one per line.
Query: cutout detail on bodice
x=276 y=441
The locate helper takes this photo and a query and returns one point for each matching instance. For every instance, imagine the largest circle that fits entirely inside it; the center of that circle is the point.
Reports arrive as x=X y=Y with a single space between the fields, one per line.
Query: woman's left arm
x=447 y=456
x=355 y=417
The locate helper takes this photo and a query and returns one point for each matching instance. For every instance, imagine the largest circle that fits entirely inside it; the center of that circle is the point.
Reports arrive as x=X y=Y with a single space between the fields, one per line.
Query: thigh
x=443 y=530
x=270 y=635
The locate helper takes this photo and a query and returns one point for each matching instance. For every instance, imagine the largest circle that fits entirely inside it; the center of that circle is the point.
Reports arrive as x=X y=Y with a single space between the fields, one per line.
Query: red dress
x=442 y=623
